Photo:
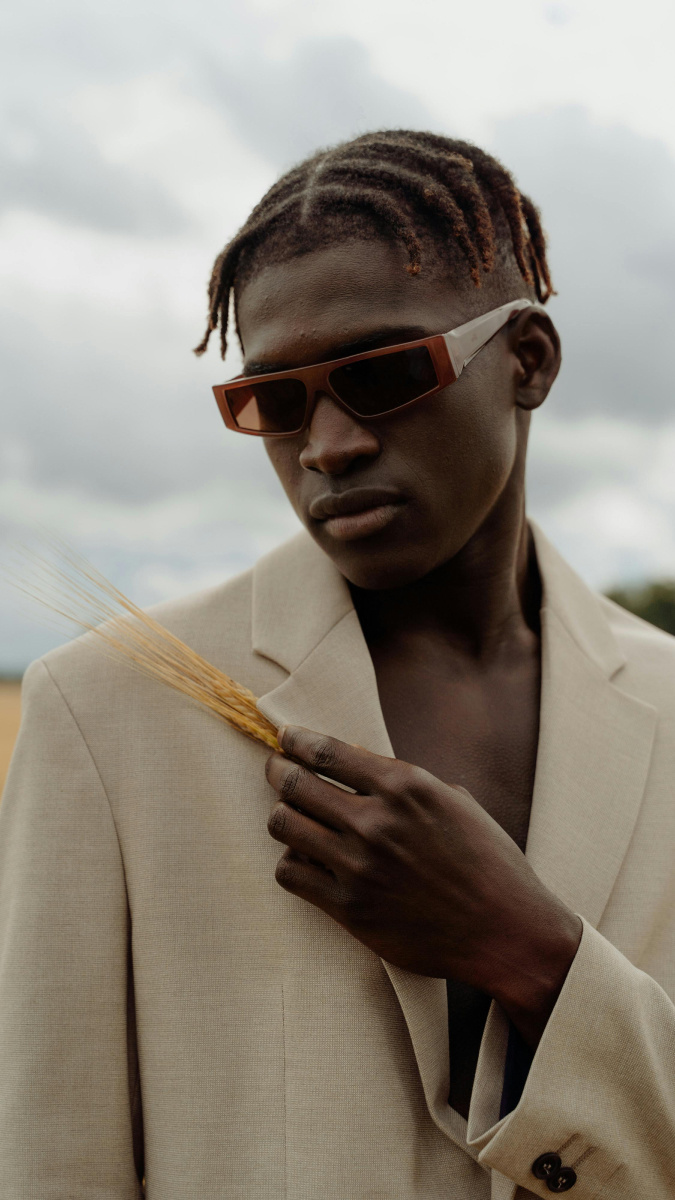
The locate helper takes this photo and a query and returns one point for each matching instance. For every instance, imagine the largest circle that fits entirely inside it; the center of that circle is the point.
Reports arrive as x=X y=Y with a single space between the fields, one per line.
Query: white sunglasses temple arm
x=464 y=342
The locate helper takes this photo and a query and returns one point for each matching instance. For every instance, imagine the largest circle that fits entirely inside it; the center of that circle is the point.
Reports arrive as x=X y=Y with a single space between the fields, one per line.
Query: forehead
x=310 y=307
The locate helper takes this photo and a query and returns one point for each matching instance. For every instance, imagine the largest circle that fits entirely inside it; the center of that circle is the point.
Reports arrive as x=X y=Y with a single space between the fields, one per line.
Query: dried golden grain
x=70 y=586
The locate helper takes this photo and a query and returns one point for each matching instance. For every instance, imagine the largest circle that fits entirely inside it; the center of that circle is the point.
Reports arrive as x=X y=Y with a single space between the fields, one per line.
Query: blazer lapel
x=304 y=619
x=594 y=746
x=333 y=690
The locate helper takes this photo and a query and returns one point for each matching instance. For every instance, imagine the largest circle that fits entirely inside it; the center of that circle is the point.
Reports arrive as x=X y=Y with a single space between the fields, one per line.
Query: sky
x=134 y=140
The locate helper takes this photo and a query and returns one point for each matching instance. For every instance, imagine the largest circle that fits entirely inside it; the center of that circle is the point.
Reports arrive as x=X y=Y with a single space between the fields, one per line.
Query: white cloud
x=154 y=551
x=603 y=488
x=624 y=533
x=153 y=123
x=48 y=165
x=474 y=64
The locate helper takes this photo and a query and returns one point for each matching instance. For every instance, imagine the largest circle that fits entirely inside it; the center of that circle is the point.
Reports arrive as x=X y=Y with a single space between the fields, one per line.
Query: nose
x=335 y=440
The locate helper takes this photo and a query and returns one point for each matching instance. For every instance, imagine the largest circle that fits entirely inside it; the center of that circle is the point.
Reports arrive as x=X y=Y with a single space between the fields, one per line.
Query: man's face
x=424 y=479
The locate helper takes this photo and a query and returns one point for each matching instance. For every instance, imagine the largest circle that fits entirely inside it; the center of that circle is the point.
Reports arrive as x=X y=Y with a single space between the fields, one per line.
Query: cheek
x=284 y=457
x=465 y=452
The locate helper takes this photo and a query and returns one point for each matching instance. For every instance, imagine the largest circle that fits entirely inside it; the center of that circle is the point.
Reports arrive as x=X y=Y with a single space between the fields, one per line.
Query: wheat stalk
x=72 y=588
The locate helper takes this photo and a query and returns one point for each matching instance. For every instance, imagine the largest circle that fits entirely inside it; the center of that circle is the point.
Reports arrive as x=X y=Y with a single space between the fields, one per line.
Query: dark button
x=547 y=1165
x=563 y=1181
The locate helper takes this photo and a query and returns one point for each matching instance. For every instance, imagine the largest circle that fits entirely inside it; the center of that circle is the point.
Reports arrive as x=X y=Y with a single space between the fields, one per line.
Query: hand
x=419 y=873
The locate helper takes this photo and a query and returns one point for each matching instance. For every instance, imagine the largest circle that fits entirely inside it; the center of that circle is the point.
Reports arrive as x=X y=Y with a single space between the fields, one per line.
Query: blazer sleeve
x=600 y=1093
x=67 y=1074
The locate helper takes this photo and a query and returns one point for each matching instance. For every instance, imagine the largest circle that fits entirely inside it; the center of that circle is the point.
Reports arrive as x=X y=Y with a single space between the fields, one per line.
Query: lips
x=358 y=500
x=358 y=513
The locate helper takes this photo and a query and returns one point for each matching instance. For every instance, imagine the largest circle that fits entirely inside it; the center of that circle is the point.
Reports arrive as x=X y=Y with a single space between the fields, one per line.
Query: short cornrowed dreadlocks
x=408 y=186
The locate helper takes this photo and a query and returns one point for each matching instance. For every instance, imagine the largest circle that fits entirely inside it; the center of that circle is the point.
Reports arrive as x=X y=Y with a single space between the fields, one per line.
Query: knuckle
x=278 y=822
x=324 y=754
x=410 y=775
x=370 y=873
x=353 y=907
x=393 y=776
x=286 y=873
x=290 y=783
x=461 y=792
x=377 y=829
x=364 y=870
x=411 y=783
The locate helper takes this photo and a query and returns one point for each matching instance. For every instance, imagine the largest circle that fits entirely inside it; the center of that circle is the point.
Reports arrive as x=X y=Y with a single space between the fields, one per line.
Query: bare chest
x=477 y=732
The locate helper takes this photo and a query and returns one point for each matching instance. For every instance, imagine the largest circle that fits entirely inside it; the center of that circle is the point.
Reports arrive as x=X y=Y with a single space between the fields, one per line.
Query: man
x=462 y=987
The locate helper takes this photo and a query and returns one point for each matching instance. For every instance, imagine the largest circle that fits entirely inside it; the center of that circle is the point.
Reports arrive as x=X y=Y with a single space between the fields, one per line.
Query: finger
x=309 y=881
x=303 y=835
x=300 y=788
x=351 y=765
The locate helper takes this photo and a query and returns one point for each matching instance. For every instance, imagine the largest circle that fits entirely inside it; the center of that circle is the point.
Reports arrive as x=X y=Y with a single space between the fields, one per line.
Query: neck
x=479 y=603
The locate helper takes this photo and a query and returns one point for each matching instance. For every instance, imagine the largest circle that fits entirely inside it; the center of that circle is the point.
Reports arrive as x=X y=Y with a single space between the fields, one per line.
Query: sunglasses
x=368 y=386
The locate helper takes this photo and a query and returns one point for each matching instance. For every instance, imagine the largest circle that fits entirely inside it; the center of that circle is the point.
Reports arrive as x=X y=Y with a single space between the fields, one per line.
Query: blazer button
x=547 y=1165
x=562 y=1181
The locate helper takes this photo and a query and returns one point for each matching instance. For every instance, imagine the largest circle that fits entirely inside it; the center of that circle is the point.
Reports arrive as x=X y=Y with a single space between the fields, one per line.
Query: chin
x=373 y=567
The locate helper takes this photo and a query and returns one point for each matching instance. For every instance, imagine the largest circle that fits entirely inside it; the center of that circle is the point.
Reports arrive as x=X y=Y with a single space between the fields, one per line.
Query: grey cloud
x=48 y=52
x=550 y=481
x=326 y=91
x=49 y=166
x=111 y=415
x=607 y=197
x=47 y=163
x=656 y=265
x=567 y=455
x=52 y=48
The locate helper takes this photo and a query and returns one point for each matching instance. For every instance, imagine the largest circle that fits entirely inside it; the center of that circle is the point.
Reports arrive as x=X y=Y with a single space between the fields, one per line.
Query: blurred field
x=10 y=712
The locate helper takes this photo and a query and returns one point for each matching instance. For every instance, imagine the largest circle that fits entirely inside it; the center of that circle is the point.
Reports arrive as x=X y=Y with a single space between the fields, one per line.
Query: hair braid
x=385 y=209
x=501 y=183
x=538 y=249
x=411 y=186
x=455 y=172
x=418 y=188
x=225 y=267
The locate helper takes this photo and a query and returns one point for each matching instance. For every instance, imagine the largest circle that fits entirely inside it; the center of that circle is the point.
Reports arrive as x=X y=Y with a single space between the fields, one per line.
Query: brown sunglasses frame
x=450 y=353
x=316 y=381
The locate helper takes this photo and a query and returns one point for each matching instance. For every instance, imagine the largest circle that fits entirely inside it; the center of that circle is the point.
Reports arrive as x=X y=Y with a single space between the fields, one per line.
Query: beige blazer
x=165 y=1008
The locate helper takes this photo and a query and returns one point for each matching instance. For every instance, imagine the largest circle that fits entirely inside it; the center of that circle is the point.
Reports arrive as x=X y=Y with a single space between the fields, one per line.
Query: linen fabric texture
x=167 y=1010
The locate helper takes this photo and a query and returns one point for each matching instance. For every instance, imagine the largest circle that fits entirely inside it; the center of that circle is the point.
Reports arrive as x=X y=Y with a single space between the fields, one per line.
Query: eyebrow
x=391 y=336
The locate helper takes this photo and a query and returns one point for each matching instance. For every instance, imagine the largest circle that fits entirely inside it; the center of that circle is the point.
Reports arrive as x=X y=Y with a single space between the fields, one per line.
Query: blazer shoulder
x=635 y=635
x=221 y=613
x=649 y=653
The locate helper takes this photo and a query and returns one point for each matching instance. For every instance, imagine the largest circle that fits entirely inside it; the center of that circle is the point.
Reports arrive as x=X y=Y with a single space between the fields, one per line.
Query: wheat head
x=68 y=585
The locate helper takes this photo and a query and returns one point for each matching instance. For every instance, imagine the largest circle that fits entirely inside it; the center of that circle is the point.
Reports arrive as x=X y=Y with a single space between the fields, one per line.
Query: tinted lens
x=378 y=385
x=274 y=407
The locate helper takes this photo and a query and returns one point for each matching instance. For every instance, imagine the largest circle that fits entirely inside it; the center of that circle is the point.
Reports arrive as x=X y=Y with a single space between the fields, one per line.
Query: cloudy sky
x=135 y=138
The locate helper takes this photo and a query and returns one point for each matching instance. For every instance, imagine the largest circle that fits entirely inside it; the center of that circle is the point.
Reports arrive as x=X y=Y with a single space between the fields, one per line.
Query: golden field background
x=10 y=713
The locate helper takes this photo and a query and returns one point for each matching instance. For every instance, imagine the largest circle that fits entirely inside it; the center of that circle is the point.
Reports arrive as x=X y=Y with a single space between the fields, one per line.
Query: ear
x=535 y=343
